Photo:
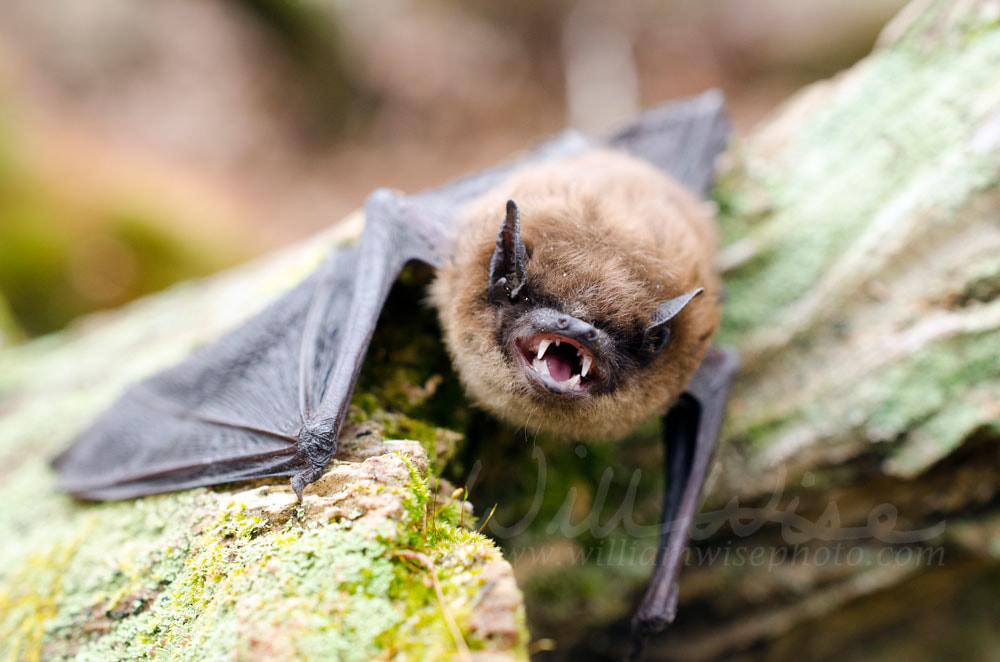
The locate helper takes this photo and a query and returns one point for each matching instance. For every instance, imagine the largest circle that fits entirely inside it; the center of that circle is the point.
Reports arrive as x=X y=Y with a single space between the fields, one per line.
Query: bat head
x=587 y=319
x=564 y=357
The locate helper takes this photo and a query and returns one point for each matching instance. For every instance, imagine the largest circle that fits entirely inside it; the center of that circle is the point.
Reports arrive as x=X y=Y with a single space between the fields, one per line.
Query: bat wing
x=690 y=431
x=231 y=411
x=682 y=138
x=268 y=399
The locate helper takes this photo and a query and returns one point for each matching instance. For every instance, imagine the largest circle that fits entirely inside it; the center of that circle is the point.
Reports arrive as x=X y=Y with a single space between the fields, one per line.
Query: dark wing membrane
x=690 y=432
x=232 y=410
x=681 y=138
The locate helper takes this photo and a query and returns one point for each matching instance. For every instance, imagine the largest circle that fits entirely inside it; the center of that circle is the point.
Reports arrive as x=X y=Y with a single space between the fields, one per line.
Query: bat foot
x=643 y=627
x=298 y=486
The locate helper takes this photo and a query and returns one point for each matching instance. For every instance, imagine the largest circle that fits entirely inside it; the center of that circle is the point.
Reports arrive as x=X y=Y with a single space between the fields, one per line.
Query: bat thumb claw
x=299 y=482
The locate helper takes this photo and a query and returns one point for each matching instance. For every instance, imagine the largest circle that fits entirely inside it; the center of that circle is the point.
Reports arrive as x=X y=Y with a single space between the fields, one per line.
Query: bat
x=592 y=309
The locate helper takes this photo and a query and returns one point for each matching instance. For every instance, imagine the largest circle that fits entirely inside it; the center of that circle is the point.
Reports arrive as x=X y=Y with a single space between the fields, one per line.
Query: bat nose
x=548 y=320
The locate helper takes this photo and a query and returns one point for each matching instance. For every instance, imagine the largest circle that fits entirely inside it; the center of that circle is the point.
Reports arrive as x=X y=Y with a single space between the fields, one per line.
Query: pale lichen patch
x=351 y=488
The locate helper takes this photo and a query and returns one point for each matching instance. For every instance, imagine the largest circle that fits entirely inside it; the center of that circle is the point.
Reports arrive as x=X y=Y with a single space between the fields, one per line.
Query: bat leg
x=690 y=431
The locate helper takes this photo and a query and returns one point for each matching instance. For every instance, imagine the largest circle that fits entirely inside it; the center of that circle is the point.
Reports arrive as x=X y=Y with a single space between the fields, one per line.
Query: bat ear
x=507 y=274
x=656 y=336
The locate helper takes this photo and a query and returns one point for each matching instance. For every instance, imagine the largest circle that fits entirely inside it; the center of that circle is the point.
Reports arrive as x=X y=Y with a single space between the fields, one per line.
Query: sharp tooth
x=557 y=342
x=541 y=367
x=585 y=365
x=542 y=346
x=573 y=382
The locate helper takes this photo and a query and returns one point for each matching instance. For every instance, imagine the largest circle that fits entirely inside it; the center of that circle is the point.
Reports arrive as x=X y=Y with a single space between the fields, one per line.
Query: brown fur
x=610 y=237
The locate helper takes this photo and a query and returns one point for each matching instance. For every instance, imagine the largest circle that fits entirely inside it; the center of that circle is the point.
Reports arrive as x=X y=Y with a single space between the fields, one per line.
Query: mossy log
x=853 y=509
x=378 y=561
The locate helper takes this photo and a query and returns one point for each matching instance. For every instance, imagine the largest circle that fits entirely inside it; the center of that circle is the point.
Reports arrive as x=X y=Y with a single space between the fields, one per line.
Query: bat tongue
x=560 y=366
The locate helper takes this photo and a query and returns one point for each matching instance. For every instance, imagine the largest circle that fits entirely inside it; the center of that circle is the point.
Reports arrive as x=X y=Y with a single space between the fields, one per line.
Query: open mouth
x=558 y=363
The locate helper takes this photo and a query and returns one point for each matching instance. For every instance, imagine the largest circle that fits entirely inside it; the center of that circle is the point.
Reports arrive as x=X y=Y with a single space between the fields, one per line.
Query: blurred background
x=143 y=143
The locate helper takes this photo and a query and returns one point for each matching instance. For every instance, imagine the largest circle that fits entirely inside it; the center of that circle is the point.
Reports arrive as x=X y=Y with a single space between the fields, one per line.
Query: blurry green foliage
x=9 y=330
x=60 y=259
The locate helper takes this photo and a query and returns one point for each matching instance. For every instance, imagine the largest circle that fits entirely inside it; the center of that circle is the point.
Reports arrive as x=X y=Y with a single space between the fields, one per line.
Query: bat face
x=592 y=308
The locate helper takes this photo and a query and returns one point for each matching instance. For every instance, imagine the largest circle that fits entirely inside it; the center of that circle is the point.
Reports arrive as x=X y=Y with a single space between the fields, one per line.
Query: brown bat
x=613 y=250
x=591 y=310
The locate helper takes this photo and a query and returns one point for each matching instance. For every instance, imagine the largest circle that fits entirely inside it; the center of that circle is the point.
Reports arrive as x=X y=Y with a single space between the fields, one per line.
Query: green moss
x=81 y=576
x=29 y=600
x=403 y=427
x=190 y=577
x=334 y=590
x=435 y=531
x=430 y=526
x=363 y=406
x=407 y=369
